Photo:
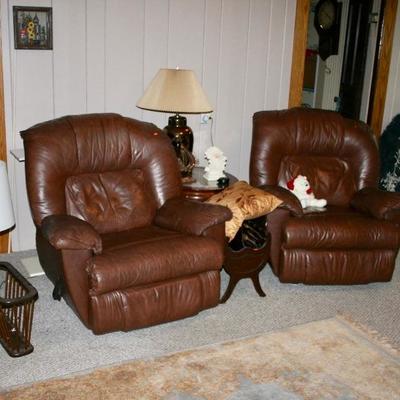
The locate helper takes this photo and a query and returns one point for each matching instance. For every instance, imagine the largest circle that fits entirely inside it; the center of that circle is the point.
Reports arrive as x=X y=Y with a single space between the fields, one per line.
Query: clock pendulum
x=327 y=24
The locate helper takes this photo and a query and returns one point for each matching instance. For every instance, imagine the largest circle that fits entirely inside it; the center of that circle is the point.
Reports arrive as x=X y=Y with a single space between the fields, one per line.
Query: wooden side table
x=200 y=188
x=244 y=263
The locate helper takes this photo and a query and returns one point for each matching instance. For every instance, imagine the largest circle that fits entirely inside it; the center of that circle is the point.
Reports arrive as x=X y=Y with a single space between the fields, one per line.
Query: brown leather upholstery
x=357 y=237
x=114 y=233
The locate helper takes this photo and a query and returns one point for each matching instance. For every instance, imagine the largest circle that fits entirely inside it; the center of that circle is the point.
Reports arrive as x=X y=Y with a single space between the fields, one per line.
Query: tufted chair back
x=339 y=156
x=103 y=168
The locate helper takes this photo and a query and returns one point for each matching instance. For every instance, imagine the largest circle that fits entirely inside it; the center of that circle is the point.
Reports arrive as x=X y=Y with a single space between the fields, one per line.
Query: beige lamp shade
x=175 y=91
x=6 y=209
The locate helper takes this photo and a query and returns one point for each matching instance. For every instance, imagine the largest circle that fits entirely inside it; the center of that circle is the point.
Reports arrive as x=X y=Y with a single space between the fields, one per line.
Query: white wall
x=106 y=52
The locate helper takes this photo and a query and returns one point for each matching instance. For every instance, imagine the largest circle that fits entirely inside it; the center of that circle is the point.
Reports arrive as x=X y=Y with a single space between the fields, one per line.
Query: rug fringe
x=372 y=334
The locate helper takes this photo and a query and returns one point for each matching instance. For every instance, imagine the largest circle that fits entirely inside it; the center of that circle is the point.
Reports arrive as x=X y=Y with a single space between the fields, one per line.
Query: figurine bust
x=216 y=164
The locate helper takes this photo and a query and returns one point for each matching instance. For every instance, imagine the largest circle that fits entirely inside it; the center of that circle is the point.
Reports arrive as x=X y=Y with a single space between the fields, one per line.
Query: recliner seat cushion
x=110 y=201
x=146 y=258
x=340 y=228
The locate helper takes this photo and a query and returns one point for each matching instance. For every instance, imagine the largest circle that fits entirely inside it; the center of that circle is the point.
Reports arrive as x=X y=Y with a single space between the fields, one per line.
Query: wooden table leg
x=235 y=275
x=255 y=277
x=233 y=280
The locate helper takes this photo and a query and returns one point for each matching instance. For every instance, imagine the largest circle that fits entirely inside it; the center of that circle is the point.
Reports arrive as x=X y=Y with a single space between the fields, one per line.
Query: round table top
x=201 y=188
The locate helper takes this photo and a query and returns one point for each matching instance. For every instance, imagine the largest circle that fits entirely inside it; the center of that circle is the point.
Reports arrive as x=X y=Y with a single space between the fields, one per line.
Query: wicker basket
x=17 y=299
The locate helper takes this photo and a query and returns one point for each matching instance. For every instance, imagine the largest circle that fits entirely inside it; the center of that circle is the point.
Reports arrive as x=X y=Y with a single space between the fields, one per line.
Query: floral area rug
x=328 y=359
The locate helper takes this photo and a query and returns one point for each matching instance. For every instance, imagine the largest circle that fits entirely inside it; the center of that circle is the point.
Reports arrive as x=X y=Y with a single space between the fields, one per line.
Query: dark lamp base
x=182 y=139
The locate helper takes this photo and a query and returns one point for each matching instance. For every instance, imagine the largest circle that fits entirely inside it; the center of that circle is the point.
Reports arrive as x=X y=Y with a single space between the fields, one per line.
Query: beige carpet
x=328 y=359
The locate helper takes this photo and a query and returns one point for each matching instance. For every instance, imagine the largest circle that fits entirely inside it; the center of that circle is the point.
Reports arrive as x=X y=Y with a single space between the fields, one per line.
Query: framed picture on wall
x=33 y=28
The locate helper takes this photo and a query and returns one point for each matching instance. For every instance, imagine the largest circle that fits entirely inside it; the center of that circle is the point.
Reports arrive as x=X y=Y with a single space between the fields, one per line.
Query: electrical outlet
x=204 y=118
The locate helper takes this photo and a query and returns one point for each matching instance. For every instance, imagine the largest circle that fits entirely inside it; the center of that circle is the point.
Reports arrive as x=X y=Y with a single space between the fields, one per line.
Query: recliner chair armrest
x=378 y=203
x=289 y=201
x=189 y=216
x=68 y=232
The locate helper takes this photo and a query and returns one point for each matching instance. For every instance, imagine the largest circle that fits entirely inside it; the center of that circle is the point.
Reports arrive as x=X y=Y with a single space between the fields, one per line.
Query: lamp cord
x=211 y=130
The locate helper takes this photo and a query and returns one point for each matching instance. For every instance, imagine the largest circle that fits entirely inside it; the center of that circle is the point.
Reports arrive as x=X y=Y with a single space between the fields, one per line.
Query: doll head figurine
x=216 y=164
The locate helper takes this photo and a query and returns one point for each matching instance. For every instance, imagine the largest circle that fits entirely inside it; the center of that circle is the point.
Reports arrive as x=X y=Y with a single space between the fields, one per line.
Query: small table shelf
x=19 y=154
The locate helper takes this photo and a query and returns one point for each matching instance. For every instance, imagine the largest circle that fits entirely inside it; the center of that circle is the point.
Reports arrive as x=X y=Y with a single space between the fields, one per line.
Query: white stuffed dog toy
x=300 y=187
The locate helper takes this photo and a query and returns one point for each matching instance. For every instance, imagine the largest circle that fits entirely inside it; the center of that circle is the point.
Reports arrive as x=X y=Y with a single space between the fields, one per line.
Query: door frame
x=4 y=237
x=378 y=97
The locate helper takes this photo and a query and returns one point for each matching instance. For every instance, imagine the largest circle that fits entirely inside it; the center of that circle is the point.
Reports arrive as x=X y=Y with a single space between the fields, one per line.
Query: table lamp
x=6 y=210
x=177 y=91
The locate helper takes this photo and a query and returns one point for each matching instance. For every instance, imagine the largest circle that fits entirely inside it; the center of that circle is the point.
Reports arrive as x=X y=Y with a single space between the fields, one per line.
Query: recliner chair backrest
x=110 y=170
x=339 y=156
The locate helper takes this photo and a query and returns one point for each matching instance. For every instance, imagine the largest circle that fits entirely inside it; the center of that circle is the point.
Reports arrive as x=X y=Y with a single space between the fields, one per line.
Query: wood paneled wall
x=107 y=51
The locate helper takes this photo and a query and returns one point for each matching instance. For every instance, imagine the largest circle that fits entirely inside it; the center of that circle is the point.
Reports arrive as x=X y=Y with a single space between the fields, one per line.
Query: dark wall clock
x=327 y=23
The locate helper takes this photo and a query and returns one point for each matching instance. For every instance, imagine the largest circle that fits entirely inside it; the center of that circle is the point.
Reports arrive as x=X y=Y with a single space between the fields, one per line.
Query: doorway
x=342 y=81
x=376 y=98
x=360 y=22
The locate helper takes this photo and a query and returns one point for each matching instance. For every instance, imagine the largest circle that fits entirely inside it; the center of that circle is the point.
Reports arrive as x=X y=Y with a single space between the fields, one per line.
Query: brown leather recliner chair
x=114 y=234
x=356 y=238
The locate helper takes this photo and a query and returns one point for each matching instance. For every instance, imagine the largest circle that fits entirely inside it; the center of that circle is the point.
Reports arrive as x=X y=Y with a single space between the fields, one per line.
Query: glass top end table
x=200 y=188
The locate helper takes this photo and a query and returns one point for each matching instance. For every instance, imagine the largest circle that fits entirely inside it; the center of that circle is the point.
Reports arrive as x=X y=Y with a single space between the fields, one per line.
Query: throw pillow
x=245 y=202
